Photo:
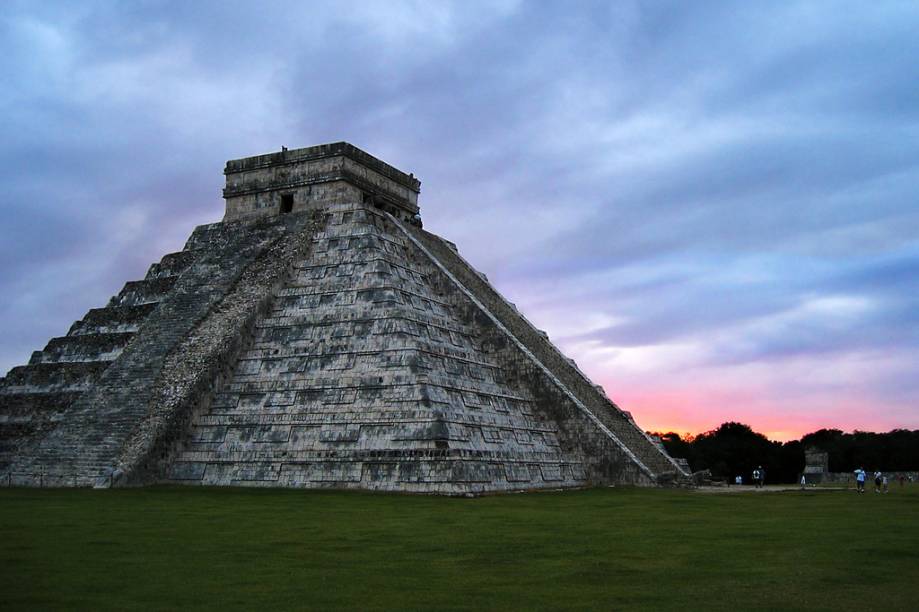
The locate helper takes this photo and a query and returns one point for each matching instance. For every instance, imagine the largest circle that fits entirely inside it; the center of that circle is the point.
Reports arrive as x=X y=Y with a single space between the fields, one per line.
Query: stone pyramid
x=316 y=337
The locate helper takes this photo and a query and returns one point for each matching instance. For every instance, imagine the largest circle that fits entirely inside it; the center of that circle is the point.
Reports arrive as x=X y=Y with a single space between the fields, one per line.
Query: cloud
x=716 y=192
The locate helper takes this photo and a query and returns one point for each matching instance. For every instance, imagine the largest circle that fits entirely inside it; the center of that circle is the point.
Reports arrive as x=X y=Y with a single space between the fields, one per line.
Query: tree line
x=734 y=449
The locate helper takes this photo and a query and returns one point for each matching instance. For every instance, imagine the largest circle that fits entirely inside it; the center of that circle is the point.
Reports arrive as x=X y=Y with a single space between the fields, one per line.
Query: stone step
x=52 y=377
x=83 y=347
x=112 y=319
x=172 y=264
x=147 y=291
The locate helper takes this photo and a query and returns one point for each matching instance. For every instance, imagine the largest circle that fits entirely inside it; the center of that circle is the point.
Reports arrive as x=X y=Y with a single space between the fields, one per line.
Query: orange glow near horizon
x=690 y=412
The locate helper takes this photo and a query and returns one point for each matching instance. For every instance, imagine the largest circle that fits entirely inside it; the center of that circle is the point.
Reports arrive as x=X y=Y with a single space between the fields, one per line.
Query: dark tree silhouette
x=735 y=449
x=897 y=450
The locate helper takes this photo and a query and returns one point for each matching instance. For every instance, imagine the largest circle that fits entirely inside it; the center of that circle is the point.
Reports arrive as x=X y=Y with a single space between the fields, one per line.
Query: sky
x=712 y=207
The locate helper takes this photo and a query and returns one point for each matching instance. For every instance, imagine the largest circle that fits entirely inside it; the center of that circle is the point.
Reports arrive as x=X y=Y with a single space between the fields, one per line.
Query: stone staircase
x=37 y=397
x=65 y=417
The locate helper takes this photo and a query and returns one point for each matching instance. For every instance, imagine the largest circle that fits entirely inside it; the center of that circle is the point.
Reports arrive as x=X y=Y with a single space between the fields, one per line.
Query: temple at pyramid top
x=295 y=180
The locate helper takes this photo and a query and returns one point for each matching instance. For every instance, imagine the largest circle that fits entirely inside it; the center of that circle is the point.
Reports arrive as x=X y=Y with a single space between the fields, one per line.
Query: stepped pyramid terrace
x=316 y=337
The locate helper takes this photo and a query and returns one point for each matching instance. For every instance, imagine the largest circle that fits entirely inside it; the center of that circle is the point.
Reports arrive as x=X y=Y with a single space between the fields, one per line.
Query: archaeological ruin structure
x=316 y=337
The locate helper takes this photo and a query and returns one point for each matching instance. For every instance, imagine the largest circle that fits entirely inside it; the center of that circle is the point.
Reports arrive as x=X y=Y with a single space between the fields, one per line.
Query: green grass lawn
x=605 y=549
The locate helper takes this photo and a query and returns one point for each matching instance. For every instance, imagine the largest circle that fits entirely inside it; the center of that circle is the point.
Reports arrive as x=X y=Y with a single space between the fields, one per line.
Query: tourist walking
x=860 y=480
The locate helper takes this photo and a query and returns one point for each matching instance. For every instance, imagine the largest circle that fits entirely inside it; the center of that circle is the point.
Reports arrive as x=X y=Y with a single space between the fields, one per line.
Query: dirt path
x=766 y=489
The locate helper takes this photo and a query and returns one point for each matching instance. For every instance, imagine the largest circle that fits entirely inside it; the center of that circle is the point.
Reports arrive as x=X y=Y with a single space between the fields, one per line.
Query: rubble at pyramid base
x=332 y=345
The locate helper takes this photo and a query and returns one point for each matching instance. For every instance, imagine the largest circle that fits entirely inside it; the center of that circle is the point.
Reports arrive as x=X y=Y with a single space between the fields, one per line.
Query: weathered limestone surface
x=315 y=338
